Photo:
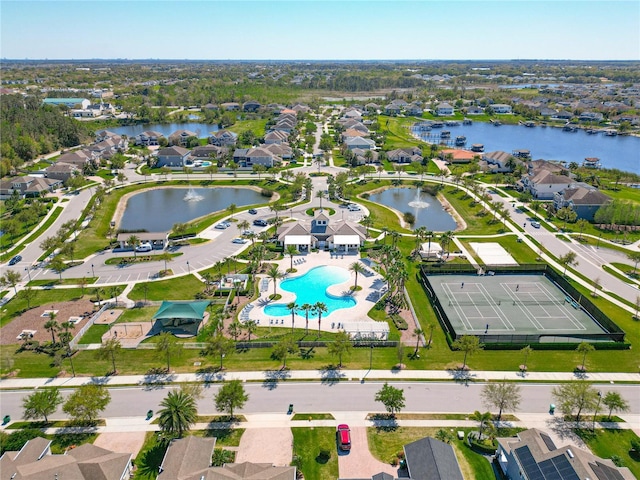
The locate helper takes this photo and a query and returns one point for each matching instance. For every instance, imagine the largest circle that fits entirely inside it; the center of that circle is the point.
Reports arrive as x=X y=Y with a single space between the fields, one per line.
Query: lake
x=427 y=209
x=550 y=143
x=159 y=209
x=201 y=129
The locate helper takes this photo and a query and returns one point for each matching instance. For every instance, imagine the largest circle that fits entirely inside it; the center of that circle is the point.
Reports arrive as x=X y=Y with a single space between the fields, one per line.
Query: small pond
x=159 y=209
x=427 y=209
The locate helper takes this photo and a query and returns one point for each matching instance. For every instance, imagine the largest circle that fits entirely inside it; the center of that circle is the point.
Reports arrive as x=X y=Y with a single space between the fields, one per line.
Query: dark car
x=15 y=260
x=260 y=223
x=253 y=211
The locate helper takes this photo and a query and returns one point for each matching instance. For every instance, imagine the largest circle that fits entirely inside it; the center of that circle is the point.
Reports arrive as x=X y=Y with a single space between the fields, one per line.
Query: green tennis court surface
x=511 y=305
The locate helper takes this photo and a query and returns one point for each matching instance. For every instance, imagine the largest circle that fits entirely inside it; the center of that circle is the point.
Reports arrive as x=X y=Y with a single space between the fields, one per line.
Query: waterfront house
x=456 y=155
x=405 y=155
x=392 y=109
x=500 y=108
x=148 y=138
x=533 y=455
x=473 y=110
x=583 y=199
x=444 y=109
x=500 y=162
x=181 y=137
x=230 y=106
x=591 y=117
x=544 y=184
x=223 y=138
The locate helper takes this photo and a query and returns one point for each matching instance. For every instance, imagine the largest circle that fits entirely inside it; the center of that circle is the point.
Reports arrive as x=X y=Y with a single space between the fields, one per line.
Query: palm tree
x=320 y=308
x=307 y=307
x=178 y=413
x=232 y=209
x=356 y=267
x=445 y=240
x=292 y=306
x=320 y=195
x=483 y=418
x=250 y=326
x=274 y=273
x=291 y=250
x=417 y=332
x=243 y=225
x=421 y=234
x=134 y=241
x=52 y=325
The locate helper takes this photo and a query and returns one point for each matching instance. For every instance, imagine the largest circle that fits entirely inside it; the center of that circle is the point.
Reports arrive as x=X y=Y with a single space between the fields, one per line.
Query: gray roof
x=431 y=459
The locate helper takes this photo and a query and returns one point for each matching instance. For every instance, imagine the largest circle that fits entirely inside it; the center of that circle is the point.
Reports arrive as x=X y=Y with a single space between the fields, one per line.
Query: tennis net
x=504 y=301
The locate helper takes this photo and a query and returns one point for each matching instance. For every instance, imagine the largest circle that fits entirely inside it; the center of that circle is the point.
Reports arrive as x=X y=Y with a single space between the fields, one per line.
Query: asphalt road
x=327 y=397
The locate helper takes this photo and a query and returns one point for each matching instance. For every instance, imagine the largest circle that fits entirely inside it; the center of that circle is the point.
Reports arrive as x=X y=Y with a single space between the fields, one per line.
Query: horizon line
x=121 y=59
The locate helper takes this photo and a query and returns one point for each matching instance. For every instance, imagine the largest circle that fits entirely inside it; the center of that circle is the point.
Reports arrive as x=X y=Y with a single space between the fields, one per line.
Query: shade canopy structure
x=182 y=318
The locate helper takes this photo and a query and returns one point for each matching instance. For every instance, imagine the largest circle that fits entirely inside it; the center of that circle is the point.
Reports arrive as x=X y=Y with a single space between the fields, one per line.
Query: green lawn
x=180 y=288
x=608 y=442
x=317 y=452
x=386 y=444
x=150 y=457
x=94 y=334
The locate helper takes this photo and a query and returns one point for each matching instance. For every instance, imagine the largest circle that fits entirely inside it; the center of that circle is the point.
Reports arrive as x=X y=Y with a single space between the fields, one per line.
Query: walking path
x=324 y=375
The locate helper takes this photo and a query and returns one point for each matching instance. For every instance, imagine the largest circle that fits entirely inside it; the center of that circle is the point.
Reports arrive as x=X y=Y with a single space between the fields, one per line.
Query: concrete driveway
x=358 y=462
x=266 y=445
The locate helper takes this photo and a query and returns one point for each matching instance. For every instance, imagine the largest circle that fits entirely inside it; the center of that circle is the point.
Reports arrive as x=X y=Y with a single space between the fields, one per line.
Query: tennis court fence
x=506 y=301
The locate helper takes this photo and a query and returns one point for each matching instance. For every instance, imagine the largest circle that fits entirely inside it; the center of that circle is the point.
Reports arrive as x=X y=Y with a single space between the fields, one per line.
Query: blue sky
x=315 y=29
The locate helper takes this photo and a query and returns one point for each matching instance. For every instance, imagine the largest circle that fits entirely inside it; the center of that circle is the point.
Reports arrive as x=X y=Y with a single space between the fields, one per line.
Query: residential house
x=80 y=158
x=223 y=138
x=456 y=155
x=282 y=150
x=392 y=109
x=444 y=109
x=298 y=107
x=62 y=171
x=533 y=455
x=148 y=138
x=343 y=236
x=361 y=156
x=104 y=134
x=230 y=106
x=172 y=157
x=35 y=461
x=352 y=113
x=181 y=137
x=427 y=459
x=361 y=143
x=544 y=184
x=372 y=107
x=562 y=115
x=106 y=148
x=208 y=152
x=276 y=137
x=500 y=162
x=583 y=199
x=405 y=155
x=591 y=117
x=414 y=109
x=251 y=106
x=189 y=458
x=473 y=110
x=248 y=157
x=27 y=186
x=547 y=112
x=500 y=108
x=352 y=132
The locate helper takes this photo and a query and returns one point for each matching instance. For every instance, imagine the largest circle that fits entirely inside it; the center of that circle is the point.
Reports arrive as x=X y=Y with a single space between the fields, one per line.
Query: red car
x=344 y=437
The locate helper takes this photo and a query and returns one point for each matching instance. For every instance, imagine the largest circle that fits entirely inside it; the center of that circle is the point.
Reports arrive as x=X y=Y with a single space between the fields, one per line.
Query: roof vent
x=570 y=453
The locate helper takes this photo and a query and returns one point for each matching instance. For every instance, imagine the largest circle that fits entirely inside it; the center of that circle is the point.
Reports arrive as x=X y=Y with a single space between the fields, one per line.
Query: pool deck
x=372 y=283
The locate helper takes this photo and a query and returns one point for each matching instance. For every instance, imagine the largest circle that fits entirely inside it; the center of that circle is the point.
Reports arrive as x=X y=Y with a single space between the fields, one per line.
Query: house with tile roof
x=34 y=461
x=544 y=184
x=223 y=138
x=28 y=186
x=500 y=162
x=189 y=458
x=444 y=109
x=583 y=199
x=405 y=155
x=148 y=138
x=360 y=142
x=172 y=157
x=181 y=137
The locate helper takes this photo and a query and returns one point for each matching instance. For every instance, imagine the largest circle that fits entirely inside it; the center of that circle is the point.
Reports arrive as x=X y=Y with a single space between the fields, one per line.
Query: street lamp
x=93 y=274
x=595 y=415
x=28 y=273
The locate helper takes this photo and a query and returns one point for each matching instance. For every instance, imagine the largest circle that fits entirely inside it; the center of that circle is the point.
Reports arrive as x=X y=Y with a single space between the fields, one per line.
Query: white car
x=354 y=208
x=535 y=224
x=223 y=225
x=239 y=240
x=144 y=247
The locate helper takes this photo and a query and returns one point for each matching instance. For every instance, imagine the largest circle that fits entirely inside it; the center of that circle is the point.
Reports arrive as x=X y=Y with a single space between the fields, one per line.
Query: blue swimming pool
x=311 y=288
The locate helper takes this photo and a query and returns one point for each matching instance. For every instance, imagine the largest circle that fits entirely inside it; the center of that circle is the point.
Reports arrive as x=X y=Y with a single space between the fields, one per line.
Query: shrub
x=399 y=322
x=265 y=192
x=16 y=440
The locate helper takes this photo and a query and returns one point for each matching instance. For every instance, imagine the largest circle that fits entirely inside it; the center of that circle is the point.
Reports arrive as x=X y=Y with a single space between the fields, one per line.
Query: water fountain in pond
x=418 y=202
x=192 y=196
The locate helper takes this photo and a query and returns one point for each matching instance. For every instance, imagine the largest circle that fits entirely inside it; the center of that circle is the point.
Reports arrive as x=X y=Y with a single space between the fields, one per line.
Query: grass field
x=316 y=452
x=607 y=443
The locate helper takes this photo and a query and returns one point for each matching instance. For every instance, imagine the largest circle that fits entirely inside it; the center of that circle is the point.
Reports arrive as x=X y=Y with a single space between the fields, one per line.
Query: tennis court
x=511 y=305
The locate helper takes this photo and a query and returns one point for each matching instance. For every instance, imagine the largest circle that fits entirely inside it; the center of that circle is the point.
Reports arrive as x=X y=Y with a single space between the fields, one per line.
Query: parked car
x=344 y=437
x=248 y=232
x=354 y=208
x=223 y=225
x=535 y=224
x=253 y=211
x=260 y=223
x=144 y=247
x=15 y=260
x=239 y=240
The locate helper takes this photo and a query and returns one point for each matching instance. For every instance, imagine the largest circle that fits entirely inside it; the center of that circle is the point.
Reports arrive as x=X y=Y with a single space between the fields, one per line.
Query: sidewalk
x=315 y=375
